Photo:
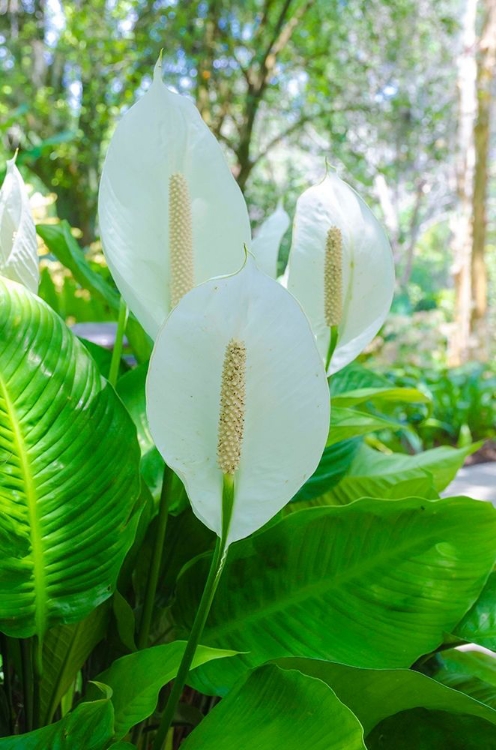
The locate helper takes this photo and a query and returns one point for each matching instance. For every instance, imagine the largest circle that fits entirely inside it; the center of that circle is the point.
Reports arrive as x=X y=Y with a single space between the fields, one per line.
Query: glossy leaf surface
x=279 y=708
x=373 y=584
x=70 y=478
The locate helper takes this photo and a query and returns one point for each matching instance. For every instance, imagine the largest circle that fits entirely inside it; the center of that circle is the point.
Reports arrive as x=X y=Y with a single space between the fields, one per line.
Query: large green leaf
x=472 y=672
x=372 y=584
x=59 y=240
x=136 y=680
x=479 y=624
x=276 y=708
x=421 y=729
x=90 y=727
x=375 y=694
x=65 y=649
x=69 y=477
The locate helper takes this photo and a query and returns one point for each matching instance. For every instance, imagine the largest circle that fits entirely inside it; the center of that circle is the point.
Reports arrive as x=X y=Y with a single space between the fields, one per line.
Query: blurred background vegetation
x=398 y=95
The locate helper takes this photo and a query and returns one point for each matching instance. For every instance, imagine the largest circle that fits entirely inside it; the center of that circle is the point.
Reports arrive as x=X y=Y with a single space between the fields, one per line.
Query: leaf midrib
x=37 y=548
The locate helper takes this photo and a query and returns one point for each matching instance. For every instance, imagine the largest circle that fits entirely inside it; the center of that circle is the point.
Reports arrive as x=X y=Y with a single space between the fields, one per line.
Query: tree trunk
x=465 y=165
x=485 y=75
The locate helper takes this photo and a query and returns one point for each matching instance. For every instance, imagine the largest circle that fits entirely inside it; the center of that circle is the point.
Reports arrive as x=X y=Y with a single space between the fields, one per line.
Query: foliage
x=461 y=407
x=337 y=624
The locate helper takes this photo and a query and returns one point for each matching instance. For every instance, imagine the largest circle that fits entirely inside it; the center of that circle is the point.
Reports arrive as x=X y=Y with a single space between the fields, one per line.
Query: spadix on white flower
x=18 y=246
x=171 y=213
x=236 y=387
x=340 y=269
x=265 y=246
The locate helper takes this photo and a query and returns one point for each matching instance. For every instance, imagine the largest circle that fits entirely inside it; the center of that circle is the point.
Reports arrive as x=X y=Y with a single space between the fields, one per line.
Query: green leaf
x=349 y=423
x=472 y=672
x=354 y=377
x=89 y=726
x=372 y=473
x=131 y=389
x=69 y=481
x=479 y=624
x=352 y=584
x=65 y=650
x=59 y=240
x=379 y=396
x=125 y=622
x=420 y=483
x=375 y=694
x=278 y=709
x=432 y=730
x=334 y=464
x=136 y=680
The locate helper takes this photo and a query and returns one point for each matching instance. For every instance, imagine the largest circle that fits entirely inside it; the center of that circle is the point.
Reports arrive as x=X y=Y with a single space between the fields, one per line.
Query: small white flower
x=18 y=245
x=236 y=387
x=340 y=269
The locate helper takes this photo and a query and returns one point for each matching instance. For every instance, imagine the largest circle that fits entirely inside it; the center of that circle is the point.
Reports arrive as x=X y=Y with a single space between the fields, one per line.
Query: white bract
x=275 y=411
x=332 y=215
x=265 y=246
x=18 y=246
x=168 y=202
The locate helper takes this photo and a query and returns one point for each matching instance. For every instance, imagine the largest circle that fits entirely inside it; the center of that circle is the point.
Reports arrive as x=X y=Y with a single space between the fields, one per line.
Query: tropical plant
x=199 y=519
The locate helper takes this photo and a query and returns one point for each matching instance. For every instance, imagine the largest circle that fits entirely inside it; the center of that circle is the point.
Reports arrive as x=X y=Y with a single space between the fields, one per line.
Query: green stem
x=332 y=345
x=119 y=338
x=27 y=681
x=214 y=574
x=158 y=548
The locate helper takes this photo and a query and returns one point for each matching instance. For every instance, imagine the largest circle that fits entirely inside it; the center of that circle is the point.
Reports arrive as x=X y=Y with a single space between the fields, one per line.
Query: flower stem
x=119 y=337
x=158 y=548
x=214 y=574
x=332 y=345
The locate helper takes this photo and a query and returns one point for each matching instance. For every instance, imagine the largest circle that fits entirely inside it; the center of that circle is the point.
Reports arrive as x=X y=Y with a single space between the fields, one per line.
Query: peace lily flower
x=256 y=413
x=18 y=246
x=265 y=246
x=171 y=213
x=340 y=269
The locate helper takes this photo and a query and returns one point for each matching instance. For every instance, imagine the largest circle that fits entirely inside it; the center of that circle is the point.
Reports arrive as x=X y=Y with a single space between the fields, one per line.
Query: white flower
x=18 y=246
x=340 y=269
x=236 y=387
x=171 y=213
x=265 y=246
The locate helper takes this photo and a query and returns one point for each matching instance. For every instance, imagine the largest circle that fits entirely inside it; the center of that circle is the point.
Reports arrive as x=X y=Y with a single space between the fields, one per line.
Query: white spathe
x=162 y=134
x=18 y=245
x=265 y=246
x=287 y=396
x=368 y=268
